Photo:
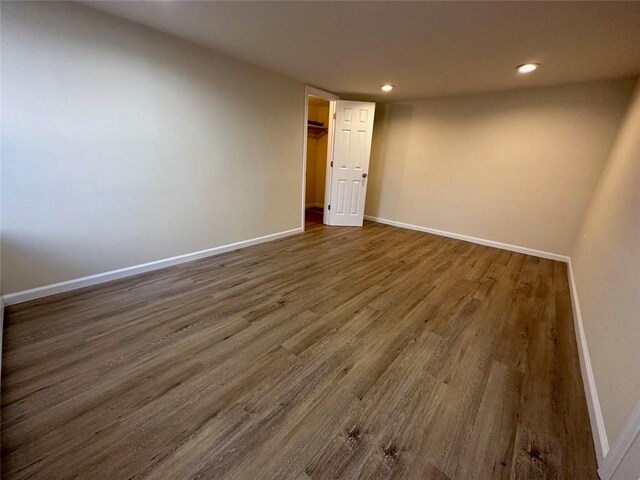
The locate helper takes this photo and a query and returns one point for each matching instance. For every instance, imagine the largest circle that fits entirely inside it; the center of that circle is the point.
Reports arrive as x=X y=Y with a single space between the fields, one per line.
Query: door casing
x=330 y=97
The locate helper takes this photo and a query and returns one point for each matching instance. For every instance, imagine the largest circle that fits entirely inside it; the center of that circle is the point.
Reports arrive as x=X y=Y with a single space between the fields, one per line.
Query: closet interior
x=317 y=143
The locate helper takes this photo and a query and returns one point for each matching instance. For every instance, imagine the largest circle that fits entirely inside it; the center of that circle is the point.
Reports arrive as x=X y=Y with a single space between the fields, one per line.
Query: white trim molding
x=466 y=238
x=598 y=430
x=45 y=291
x=622 y=446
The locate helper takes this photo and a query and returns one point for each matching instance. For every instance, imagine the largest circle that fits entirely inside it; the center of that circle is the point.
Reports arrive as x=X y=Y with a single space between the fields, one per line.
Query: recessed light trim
x=527 y=67
x=387 y=87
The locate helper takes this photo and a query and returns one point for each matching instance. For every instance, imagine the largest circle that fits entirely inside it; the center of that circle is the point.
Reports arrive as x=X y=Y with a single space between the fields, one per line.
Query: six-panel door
x=351 y=150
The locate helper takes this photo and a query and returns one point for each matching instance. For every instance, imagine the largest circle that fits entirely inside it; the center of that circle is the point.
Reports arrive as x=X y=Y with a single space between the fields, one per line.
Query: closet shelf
x=316 y=130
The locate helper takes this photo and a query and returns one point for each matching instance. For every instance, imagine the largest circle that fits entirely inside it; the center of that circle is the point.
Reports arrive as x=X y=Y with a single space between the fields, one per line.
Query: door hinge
x=332 y=163
x=329 y=207
x=334 y=115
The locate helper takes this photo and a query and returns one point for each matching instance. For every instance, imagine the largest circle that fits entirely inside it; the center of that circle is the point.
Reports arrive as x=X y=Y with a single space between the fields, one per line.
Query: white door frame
x=330 y=97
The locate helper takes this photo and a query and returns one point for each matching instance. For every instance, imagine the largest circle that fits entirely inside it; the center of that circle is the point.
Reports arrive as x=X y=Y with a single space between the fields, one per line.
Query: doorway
x=317 y=150
x=318 y=146
x=335 y=195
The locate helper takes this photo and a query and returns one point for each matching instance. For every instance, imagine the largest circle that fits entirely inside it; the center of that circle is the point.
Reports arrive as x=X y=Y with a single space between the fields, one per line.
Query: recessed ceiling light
x=527 y=67
x=386 y=87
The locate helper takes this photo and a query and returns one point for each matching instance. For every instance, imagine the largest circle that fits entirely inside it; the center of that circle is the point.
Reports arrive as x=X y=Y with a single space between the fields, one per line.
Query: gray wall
x=122 y=145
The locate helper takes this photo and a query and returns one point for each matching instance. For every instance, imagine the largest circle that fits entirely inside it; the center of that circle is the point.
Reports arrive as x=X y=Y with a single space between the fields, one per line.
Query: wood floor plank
x=383 y=437
x=490 y=448
x=371 y=352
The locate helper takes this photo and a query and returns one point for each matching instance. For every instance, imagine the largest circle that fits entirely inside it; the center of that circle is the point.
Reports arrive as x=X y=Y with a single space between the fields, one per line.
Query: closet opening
x=317 y=156
x=317 y=148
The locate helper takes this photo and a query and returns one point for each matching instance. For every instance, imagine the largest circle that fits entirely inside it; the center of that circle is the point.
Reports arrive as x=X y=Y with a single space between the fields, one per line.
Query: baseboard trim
x=466 y=238
x=53 y=289
x=317 y=205
x=598 y=431
x=622 y=445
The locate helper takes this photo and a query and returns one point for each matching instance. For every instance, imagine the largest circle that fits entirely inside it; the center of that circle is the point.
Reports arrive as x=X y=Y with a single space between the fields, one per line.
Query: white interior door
x=351 y=149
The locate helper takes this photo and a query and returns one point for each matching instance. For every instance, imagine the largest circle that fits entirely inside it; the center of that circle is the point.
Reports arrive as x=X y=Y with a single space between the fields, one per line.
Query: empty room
x=320 y=240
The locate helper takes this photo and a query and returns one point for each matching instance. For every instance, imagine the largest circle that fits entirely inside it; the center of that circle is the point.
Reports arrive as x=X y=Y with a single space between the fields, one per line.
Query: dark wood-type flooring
x=371 y=352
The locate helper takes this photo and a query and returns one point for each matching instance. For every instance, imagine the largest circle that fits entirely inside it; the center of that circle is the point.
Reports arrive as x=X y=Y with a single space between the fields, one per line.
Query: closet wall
x=317 y=157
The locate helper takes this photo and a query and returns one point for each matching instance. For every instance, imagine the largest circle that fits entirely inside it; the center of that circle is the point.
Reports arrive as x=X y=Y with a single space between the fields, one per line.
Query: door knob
x=364 y=175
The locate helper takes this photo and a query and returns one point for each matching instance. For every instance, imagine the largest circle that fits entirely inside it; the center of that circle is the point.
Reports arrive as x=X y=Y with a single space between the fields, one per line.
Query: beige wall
x=606 y=265
x=122 y=145
x=517 y=167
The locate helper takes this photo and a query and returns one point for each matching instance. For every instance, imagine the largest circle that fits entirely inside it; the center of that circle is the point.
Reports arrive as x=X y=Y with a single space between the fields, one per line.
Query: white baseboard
x=44 y=291
x=466 y=238
x=609 y=458
x=600 y=438
x=622 y=446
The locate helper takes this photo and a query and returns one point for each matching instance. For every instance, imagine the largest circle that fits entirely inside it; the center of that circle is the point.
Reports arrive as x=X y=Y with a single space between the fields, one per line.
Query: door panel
x=352 y=148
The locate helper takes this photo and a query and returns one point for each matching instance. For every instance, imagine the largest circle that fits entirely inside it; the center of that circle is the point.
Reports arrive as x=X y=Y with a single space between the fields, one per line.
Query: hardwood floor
x=371 y=352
